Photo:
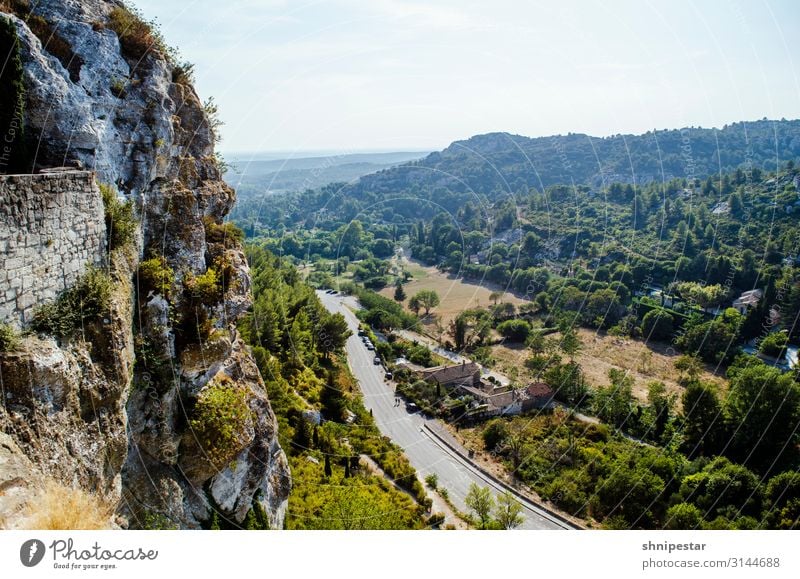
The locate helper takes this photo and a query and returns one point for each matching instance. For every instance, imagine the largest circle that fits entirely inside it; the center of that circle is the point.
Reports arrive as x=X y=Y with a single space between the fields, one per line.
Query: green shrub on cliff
x=120 y=219
x=8 y=338
x=220 y=420
x=83 y=303
x=155 y=275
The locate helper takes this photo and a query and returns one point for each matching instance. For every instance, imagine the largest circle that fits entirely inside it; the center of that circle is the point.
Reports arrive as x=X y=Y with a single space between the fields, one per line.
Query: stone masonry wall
x=52 y=227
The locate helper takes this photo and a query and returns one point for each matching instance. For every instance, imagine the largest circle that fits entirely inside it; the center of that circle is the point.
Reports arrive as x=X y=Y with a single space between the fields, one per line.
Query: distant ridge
x=506 y=162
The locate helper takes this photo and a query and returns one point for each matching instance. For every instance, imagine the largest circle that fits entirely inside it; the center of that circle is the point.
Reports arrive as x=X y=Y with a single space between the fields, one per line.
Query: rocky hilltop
x=155 y=406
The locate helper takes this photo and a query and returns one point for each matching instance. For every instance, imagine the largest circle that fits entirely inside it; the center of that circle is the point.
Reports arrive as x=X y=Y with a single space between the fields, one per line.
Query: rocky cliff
x=158 y=407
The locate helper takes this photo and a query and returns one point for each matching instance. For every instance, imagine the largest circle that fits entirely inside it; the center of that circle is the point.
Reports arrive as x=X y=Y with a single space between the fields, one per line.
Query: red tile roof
x=539 y=390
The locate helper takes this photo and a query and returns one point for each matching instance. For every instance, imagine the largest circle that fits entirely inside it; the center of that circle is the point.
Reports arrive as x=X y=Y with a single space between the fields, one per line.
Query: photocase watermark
x=31 y=552
x=66 y=554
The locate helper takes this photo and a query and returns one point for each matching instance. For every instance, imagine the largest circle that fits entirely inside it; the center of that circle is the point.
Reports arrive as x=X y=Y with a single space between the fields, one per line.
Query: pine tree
x=399 y=292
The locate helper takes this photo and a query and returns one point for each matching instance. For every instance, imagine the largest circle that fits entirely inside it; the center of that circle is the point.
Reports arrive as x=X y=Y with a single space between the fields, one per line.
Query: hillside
x=253 y=176
x=506 y=163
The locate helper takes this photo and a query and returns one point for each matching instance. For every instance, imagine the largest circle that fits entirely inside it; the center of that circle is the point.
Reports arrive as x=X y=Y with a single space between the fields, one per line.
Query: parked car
x=376 y=361
x=362 y=333
x=388 y=376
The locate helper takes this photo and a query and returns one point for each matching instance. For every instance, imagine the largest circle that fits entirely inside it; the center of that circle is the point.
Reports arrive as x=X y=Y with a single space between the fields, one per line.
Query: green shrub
x=155 y=275
x=774 y=344
x=225 y=233
x=514 y=330
x=206 y=288
x=120 y=219
x=84 y=302
x=220 y=420
x=9 y=341
x=183 y=73
x=494 y=434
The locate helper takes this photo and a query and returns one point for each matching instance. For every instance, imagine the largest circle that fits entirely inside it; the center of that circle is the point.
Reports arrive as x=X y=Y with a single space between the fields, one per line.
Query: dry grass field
x=456 y=294
x=600 y=353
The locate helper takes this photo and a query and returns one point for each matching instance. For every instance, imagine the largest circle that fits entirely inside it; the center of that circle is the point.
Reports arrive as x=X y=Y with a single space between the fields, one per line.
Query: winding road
x=411 y=431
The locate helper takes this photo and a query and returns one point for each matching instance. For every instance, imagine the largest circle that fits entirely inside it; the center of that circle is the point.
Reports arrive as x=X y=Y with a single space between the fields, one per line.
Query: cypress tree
x=328 y=471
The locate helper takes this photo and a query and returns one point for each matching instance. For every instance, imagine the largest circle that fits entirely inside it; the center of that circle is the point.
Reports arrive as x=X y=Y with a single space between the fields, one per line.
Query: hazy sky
x=296 y=75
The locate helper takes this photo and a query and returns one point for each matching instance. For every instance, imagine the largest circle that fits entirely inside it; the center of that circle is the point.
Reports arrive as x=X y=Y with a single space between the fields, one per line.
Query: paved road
x=426 y=454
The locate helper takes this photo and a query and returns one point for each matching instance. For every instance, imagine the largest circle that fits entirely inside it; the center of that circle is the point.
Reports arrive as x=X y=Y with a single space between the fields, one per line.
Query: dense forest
x=489 y=168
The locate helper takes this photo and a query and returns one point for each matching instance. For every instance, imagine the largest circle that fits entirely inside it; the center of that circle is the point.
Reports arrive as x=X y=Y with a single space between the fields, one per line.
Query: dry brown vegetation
x=456 y=294
x=645 y=362
x=58 y=507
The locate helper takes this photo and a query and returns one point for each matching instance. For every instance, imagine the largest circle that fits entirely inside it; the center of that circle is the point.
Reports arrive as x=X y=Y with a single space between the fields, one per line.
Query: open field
x=600 y=353
x=456 y=294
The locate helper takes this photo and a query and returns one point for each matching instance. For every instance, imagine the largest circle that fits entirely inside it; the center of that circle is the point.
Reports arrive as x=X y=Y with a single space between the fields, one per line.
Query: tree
x=328 y=470
x=763 y=410
x=570 y=343
x=351 y=239
x=689 y=367
x=515 y=330
x=495 y=297
x=332 y=334
x=568 y=382
x=480 y=500
x=712 y=340
x=470 y=328
x=399 y=292
x=494 y=434
x=723 y=489
x=683 y=516
x=782 y=501
x=382 y=248
x=661 y=406
x=427 y=299
x=614 y=403
x=602 y=309
x=774 y=344
x=414 y=305
x=508 y=512
x=302 y=434
x=658 y=325
x=629 y=494
x=703 y=422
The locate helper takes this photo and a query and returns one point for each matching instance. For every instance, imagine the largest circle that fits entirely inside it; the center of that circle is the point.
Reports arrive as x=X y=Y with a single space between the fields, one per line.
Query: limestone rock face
x=83 y=412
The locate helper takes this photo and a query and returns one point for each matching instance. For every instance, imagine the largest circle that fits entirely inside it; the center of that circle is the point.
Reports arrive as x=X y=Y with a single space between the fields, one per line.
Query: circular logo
x=31 y=553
